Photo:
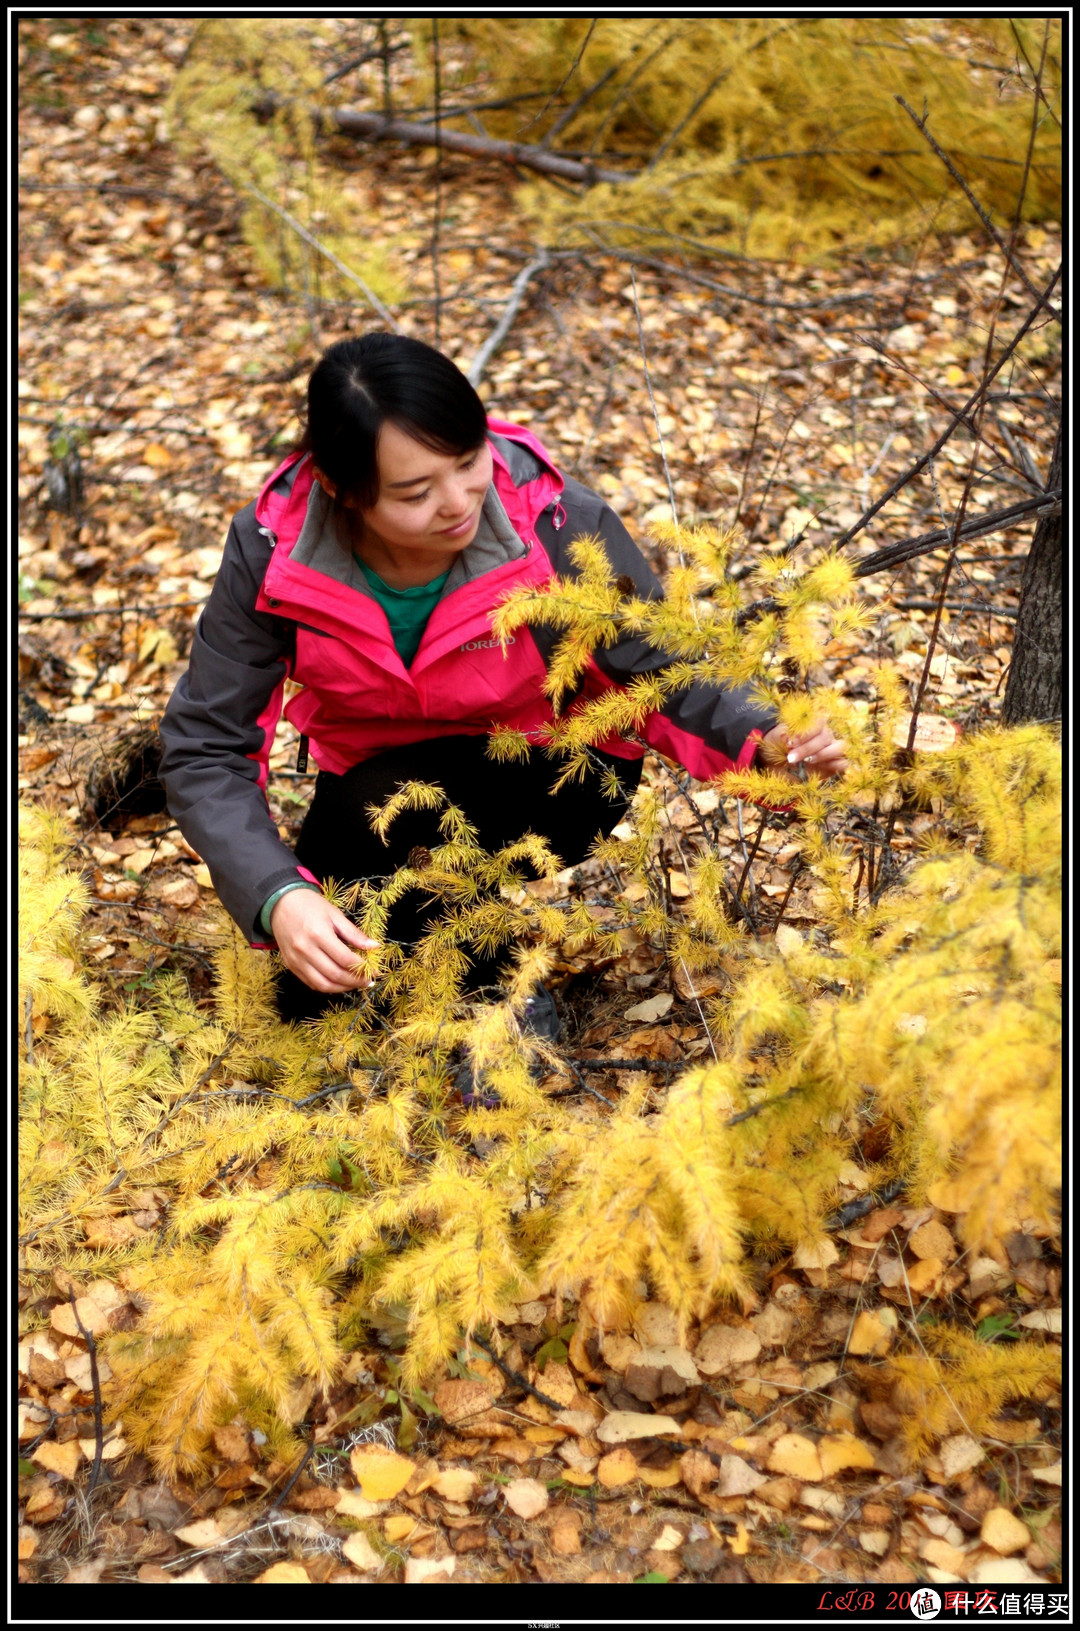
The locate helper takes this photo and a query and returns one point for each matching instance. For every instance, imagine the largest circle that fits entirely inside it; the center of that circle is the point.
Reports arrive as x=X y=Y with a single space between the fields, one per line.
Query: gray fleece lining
x=324 y=544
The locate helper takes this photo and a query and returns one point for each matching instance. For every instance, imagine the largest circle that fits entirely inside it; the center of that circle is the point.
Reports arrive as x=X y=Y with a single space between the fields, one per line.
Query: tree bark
x=1033 y=688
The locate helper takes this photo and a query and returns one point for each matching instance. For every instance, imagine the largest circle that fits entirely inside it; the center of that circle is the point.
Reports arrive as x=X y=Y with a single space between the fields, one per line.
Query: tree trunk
x=1033 y=688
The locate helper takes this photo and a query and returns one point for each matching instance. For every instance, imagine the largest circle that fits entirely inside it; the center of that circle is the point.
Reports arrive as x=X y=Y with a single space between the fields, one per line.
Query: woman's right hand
x=317 y=942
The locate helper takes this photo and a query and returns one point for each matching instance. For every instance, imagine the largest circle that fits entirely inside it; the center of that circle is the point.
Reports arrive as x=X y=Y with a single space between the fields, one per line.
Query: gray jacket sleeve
x=218 y=728
x=706 y=726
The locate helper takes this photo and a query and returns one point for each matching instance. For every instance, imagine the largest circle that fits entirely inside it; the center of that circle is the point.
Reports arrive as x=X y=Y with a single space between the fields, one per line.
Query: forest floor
x=146 y=331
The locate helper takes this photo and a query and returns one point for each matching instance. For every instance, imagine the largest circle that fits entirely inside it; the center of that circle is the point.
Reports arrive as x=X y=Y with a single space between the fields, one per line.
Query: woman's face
x=428 y=503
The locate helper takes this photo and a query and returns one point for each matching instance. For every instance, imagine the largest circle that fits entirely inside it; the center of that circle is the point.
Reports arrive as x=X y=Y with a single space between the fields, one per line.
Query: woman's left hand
x=817 y=749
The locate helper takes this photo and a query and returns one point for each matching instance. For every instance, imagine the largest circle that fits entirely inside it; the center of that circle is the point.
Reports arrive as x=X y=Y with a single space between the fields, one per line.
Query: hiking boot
x=539 y=1018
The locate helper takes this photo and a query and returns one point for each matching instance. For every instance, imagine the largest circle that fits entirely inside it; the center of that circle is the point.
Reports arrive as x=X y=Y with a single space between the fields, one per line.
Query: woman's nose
x=456 y=498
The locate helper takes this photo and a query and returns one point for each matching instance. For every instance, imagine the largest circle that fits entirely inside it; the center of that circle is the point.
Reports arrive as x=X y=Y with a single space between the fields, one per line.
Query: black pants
x=502 y=801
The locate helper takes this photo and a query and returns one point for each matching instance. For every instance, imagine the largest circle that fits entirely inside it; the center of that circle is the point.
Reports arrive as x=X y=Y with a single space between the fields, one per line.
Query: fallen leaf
x=204 y=1532
x=773 y=1325
x=874 y=1541
x=85 y=1574
x=158 y=648
x=528 y=1497
x=1003 y=1571
x=843 y=1451
x=933 y=733
x=722 y=1347
x=1003 y=1531
x=231 y=1443
x=467 y=1407
x=619 y=1350
x=655 y=1326
x=181 y=892
x=1042 y=1319
x=798 y=1456
x=819 y=1254
x=579 y=1358
x=617 y=1468
x=658 y=1371
x=958 y=1455
x=361 y=1554
x=660 y=1477
x=61 y=1458
x=740 y=1540
x=420 y=1569
x=77 y=1369
x=381 y=1473
x=873 y=1331
x=557 y=1381
x=696 y=987
x=932 y=1240
x=1048 y=1475
x=456 y=1484
x=565 y=1533
x=668 y=1540
x=45 y=1506
x=111 y=1449
x=156 y=456
x=580 y=1422
x=833 y=1505
x=924 y=1277
x=788 y=940
x=534 y=1313
x=37 y=758
x=351 y=1505
x=622 y=1425
x=283 y=1574
x=398 y=1526
x=738 y=1477
x=110 y=1231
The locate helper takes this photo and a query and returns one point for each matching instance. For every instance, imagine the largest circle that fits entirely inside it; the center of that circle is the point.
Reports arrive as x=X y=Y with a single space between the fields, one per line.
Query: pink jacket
x=290 y=603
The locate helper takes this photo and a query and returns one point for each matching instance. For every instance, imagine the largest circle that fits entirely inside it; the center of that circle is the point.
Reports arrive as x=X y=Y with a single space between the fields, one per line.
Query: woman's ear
x=329 y=487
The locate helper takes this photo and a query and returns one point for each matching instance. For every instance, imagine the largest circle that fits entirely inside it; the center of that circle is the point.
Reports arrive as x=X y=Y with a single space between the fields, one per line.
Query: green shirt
x=407 y=610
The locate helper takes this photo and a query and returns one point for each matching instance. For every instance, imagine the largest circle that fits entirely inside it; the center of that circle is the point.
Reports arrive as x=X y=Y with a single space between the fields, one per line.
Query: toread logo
x=486 y=645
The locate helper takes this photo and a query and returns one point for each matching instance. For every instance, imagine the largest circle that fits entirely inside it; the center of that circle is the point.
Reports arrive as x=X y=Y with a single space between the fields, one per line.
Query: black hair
x=358 y=385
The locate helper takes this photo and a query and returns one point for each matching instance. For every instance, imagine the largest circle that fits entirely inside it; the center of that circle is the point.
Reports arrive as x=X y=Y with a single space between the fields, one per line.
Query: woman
x=367 y=572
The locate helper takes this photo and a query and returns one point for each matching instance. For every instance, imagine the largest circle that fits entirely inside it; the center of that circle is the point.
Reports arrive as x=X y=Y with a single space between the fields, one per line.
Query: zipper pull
x=558 y=515
x=301 y=756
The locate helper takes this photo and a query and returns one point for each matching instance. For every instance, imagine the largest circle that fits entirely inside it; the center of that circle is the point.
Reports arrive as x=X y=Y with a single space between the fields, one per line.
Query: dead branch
x=380 y=54
x=828 y=304
x=369 y=293
x=973 y=608
x=502 y=328
x=375 y=128
x=1006 y=249
x=893 y=555
x=652 y=404
x=975 y=526
x=973 y=401
x=95 y=1383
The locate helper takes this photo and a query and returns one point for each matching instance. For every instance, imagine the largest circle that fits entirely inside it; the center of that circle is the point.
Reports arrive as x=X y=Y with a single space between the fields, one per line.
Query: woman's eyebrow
x=412 y=481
